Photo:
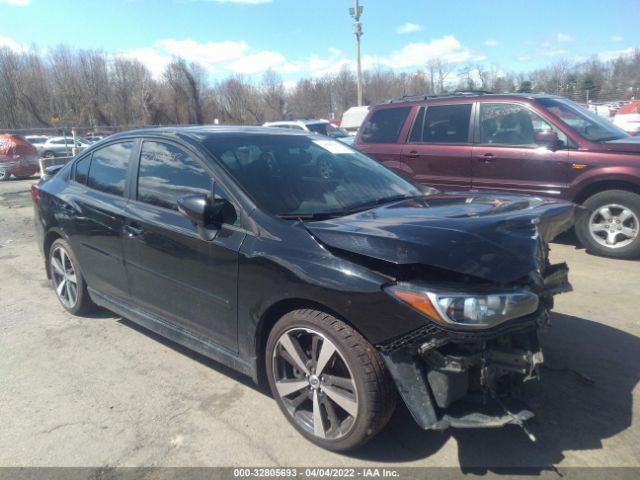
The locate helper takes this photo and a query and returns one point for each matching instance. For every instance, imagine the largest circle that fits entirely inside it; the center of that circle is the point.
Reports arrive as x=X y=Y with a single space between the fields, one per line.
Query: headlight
x=480 y=310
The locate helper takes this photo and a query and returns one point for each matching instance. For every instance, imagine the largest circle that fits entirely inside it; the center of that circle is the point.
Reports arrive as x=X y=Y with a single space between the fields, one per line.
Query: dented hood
x=491 y=236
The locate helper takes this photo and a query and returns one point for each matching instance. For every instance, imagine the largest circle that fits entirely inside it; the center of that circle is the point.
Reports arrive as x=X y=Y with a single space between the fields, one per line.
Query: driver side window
x=166 y=173
x=512 y=124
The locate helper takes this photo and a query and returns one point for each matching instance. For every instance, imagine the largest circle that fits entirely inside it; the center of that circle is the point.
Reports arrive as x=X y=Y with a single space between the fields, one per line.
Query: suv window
x=166 y=173
x=447 y=124
x=512 y=124
x=108 y=171
x=384 y=125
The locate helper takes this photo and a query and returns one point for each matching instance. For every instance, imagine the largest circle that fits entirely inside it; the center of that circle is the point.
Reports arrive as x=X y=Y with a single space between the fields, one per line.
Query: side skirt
x=175 y=333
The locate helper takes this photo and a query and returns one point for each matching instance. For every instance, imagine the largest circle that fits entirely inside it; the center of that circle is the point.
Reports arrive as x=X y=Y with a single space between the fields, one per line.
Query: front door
x=438 y=151
x=508 y=157
x=173 y=272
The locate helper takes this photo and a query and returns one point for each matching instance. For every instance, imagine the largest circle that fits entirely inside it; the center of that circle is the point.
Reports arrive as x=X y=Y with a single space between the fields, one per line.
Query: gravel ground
x=99 y=390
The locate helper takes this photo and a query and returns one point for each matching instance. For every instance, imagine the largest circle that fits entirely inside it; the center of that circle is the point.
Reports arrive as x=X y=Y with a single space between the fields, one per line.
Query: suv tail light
x=35 y=193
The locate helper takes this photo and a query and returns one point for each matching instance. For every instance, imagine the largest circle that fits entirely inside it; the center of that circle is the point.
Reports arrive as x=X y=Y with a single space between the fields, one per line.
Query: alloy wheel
x=4 y=174
x=315 y=383
x=613 y=226
x=64 y=277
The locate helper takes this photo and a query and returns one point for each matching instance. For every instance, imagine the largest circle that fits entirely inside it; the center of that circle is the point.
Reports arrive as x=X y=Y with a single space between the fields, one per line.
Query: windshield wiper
x=379 y=201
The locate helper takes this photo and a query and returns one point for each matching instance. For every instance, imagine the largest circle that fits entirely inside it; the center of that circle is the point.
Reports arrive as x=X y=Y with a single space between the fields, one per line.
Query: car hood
x=496 y=237
x=626 y=144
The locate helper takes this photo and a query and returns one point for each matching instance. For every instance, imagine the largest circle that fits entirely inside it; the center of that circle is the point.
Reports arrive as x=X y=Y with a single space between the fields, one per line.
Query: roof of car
x=198 y=132
x=470 y=94
x=300 y=121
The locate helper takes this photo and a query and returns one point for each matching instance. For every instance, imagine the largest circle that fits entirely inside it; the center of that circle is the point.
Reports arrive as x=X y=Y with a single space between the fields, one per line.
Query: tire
x=75 y=299
x=352 y=393
x=49 y=155
x=4 y=174
x=611 y=226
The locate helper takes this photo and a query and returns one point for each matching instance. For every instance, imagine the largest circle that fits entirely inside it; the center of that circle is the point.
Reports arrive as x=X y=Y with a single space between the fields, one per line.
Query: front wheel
x=329 y=382
x=49 y=155
x=4 y=174
x=611 y=227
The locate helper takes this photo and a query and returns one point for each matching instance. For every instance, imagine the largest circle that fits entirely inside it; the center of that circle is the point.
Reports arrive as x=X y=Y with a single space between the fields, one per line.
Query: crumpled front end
x=473 y=378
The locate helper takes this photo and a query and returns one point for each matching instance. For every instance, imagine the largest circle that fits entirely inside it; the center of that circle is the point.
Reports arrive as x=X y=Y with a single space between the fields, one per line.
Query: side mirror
x=547 y=138
x=196 y=208
x=201 y=209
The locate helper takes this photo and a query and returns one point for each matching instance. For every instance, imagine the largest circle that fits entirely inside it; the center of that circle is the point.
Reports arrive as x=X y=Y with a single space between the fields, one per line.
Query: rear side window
x=384 y=125
x=108 y=172
x=447 y=124
x=166 y=173
x=82 y=170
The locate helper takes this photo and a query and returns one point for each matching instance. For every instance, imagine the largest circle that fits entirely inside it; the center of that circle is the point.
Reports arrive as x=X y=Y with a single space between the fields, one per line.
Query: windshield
x=581 y=120
x=327 y=129
x=299 y=176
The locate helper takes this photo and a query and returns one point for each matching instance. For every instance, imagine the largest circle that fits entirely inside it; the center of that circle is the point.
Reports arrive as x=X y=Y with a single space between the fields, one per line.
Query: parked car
x=529 y=144
x=321 y=127
x=330 y=284
x=628 y=117
x=352 y=118
x=61 y=146
x=37 y=141
x=17 y=157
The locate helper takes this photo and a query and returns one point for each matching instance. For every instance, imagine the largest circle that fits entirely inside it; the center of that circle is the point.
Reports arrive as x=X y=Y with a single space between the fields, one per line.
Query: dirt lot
x=101 y=391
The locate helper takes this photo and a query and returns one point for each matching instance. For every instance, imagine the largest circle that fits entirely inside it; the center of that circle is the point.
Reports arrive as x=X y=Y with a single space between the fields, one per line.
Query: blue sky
x=313 y=37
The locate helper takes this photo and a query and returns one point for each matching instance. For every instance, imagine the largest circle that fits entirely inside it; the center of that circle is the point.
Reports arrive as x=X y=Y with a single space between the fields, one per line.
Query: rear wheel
x=4 y=174
x=612 y=226
x=328 y=380
x=67 y=280
x=49 y=155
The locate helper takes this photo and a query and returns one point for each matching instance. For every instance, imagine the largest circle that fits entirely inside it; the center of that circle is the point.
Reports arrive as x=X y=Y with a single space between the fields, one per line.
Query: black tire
x=375 y=394
x=82 y=303
x=49 y=155
x=619 y=200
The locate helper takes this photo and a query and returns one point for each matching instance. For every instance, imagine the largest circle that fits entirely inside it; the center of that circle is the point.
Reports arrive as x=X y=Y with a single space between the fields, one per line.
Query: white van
x=353 y=118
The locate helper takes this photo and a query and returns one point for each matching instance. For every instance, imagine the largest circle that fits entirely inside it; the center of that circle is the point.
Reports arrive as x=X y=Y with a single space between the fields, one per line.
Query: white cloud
x=151 y=58
x=492 y=43
x=617 y=38
x=612 y=55
x=17 y=3
x=11 y=44
x=258 y=63
x=523 y=58
x=244 y=2
x=555 y=52
x=408 y=28
x=564 y=37
x=205 y=53
x=447 y=48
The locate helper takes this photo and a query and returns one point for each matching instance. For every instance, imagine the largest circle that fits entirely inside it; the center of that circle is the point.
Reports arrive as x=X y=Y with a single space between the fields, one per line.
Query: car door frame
x=411 y=149
x=556 y=190
x=206 y=164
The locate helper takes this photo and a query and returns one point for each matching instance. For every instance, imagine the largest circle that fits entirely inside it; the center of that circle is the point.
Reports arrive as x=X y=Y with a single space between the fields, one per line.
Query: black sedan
x=303 y=263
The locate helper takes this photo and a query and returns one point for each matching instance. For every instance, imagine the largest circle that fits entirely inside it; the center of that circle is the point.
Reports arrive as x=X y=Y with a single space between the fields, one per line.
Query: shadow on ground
x=572 y=413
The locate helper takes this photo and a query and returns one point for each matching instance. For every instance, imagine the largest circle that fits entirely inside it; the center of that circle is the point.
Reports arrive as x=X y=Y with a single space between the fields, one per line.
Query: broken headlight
x=480 y=310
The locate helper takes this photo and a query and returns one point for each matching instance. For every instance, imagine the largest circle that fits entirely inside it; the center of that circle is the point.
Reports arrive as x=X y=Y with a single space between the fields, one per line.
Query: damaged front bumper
x=472 y=379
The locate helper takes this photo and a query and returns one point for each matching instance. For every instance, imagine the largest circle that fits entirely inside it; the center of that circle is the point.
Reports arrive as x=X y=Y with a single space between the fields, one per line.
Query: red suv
x=541 y=145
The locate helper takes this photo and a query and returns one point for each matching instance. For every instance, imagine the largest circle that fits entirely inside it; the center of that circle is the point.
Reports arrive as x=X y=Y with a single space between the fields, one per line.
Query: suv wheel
x=68 y=282
x=612 y=226
x=4 y=174
x=49 y=155
x=329 y=382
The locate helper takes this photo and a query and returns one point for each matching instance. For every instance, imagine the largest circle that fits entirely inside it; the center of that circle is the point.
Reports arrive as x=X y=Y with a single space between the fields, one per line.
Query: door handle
x=413 y=154
x=487 y=158
x=133 y=231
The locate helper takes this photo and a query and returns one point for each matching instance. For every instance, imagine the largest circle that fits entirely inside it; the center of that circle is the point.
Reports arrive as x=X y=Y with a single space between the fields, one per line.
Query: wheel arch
x=603 y=185
x=271 y=316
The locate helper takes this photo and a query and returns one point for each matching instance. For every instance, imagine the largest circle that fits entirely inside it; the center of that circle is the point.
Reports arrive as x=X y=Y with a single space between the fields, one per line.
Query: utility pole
x=355 y=12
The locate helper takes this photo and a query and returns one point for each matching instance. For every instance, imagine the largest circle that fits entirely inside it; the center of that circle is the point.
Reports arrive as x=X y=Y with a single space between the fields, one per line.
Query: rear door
x=173 y=272
x=508 y=157
x=438 y=150
x=94 y=216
